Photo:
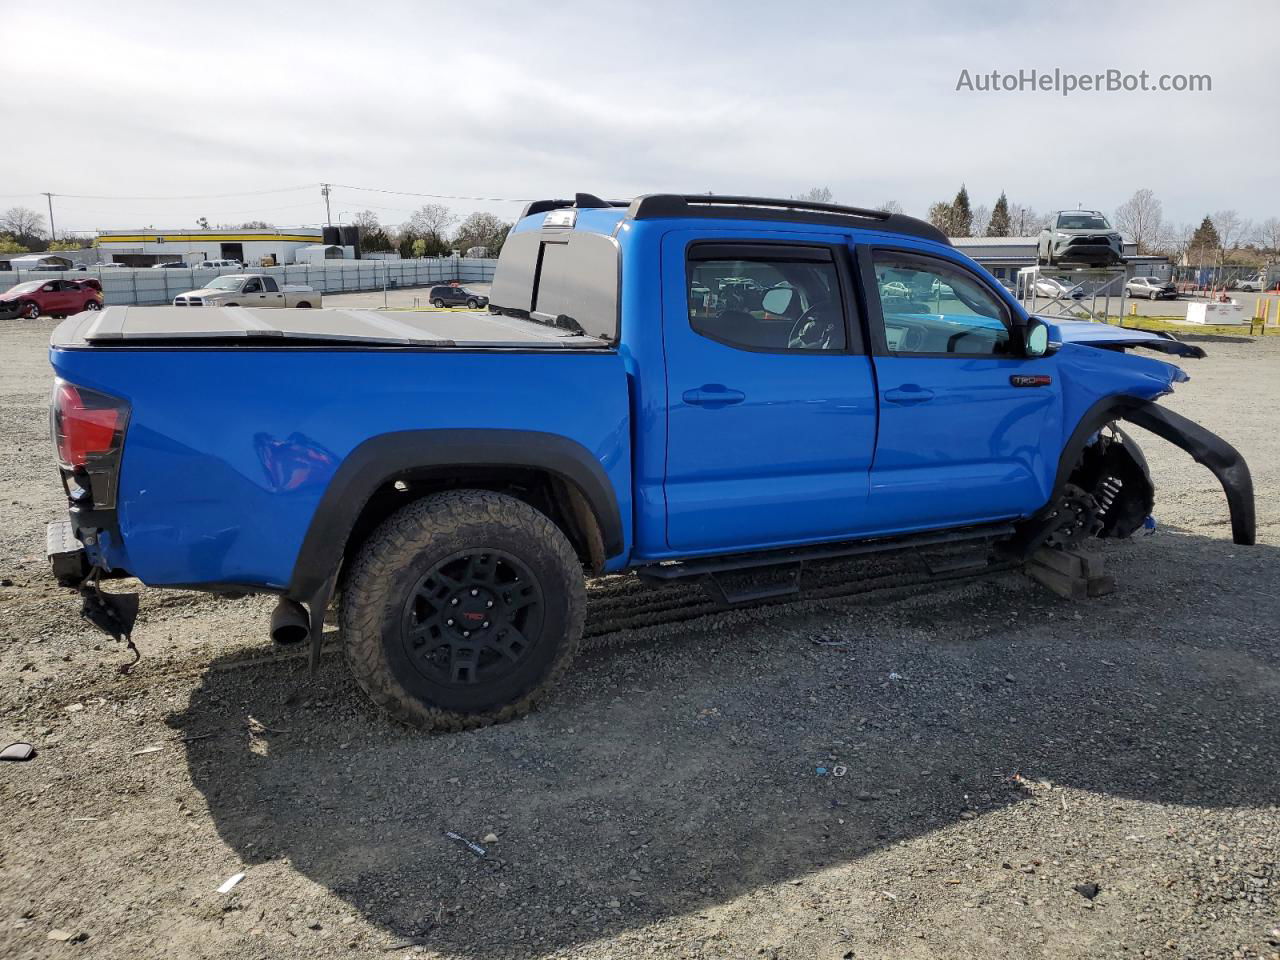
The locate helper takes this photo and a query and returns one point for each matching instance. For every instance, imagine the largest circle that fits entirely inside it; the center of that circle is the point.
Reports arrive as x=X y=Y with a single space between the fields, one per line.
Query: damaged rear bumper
x=1213 y=452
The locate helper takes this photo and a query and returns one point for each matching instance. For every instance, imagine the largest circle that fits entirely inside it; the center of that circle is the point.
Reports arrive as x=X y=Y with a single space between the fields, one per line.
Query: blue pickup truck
x=677 y=386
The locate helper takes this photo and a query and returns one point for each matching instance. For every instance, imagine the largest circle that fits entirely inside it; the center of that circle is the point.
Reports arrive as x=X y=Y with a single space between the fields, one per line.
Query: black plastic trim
x=1213 y=452
x=377 y=460
x=656 y=206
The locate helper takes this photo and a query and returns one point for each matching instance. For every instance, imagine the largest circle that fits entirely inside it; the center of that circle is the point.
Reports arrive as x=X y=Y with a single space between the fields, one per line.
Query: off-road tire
x=404 y=548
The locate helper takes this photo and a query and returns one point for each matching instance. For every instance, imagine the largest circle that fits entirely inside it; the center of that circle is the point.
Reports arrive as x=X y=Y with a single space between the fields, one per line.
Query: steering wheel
x=810 y=333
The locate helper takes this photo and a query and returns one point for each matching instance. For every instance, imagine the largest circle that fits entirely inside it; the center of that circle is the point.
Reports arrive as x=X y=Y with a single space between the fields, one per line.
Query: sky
x=248 y=107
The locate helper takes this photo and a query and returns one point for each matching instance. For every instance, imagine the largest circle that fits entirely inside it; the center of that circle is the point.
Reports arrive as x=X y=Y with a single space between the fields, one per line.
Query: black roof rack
x=711 y=206
x=582 y=201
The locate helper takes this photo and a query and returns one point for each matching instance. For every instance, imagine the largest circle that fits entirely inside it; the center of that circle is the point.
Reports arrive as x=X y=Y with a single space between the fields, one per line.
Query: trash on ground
x=839 y=770
x=146 y=750
x=230 y=882
x=821 y=771
x=1087 y=890
x=490 y=838
x=894 y=675
x=68 y=936
x=475 y=848
x=257 y=726
x=18 y=751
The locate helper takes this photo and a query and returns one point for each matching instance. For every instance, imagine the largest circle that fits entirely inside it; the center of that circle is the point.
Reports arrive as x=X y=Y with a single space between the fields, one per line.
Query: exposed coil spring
x=1107 y=491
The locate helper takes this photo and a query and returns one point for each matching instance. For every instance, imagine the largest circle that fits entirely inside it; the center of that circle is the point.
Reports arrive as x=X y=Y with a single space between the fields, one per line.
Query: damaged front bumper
x=1213 y=452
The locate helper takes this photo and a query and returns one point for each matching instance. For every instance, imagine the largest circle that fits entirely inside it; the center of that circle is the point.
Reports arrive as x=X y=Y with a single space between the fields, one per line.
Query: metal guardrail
x=125 y=285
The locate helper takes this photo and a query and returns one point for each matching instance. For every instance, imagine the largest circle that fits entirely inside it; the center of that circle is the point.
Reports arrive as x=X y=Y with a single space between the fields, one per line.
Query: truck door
x=770 y=399
x=966 y=422
x=271 y=294
x=252 y=294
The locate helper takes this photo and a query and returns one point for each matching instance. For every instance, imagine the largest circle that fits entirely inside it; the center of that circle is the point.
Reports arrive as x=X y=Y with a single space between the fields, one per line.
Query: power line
x=432 y=196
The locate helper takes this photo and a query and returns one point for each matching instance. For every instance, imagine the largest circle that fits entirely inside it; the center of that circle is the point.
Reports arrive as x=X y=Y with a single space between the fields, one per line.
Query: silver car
x=1152 y=288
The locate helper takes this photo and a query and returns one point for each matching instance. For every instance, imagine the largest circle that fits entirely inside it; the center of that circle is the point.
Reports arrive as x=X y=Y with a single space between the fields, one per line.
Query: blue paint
x=709 y=449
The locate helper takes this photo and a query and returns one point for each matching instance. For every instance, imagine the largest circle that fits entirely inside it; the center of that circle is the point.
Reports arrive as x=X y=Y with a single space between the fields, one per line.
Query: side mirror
x=777 y=300
x=1036 y=338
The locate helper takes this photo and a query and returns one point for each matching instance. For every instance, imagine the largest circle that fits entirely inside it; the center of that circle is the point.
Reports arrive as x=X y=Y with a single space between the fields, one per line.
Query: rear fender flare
x=378 y=460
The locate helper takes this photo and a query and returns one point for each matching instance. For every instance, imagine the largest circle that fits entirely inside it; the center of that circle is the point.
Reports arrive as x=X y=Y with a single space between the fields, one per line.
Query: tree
x=961 y=215
x=202 y=223
x=375 y=240
x=1204 y=244
x=256 y=225
x=66 y=243
x=1140 y=217
x=1231 y=228
x=998 y=225
x=431 y=218
x=940 y=216
x=891 y=206
x=481 y=230
x=10 y=245
x=366 y=220
x=24 y=225
x=1267 y=235
x=981 y=218
x=1025 y=221
x=816 y=195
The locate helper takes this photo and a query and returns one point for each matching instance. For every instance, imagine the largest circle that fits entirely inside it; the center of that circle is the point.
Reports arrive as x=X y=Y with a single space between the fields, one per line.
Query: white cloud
x=520 y=100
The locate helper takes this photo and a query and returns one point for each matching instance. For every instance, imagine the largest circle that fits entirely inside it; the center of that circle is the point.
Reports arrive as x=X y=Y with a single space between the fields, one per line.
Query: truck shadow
x=676 y=773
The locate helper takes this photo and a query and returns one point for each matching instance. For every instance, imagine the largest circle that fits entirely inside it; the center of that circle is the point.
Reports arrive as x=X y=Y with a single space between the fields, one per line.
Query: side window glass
x=933 y=308
x=252 y=286
x=270 y=284
x=767 y=304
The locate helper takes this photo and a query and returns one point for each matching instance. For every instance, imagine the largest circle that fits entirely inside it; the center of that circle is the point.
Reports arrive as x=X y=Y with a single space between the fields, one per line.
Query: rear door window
x=770 y=299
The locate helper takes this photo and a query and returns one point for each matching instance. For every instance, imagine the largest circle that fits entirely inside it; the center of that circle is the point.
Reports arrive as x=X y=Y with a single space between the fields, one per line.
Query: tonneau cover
x=121 y=326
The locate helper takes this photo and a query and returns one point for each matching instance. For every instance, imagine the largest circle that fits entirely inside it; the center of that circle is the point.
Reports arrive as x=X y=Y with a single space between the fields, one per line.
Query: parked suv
x=1152 y=288
x=57 y=298
x=457 y=297
x=1080 y=236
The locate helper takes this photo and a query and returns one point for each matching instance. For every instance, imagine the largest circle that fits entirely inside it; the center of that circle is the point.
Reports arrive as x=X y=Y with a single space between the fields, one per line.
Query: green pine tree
x=961 y=215
x=999 y=225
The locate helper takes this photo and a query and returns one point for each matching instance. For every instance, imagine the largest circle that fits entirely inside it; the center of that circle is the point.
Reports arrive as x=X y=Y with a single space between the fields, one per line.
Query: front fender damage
x=1213 y=452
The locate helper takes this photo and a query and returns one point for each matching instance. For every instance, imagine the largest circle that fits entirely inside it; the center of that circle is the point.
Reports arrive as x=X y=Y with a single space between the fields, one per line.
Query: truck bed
x=143 y=326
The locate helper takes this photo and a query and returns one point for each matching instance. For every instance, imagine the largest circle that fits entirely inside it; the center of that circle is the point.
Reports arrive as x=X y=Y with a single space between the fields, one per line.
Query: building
x=1005 y=256
x=143 y=248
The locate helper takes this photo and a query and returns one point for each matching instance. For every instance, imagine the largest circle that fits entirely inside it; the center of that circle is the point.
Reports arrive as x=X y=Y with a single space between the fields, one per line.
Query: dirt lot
x=1003 y=748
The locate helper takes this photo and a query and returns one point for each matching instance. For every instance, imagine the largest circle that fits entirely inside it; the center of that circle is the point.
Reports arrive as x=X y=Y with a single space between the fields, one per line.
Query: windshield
x=1083 y=221
x=27 y=287
x=225 y=283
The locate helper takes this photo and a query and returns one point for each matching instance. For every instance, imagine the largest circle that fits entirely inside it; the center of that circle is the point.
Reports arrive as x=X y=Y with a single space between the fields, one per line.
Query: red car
x=57 y=298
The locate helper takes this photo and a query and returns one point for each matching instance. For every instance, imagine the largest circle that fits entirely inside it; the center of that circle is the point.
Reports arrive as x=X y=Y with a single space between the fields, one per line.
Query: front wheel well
x=551 y=494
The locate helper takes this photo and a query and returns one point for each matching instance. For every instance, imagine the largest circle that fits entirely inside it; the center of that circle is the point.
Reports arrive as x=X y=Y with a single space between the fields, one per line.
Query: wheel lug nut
x=475 y=592
x=486 y=623
x=454 y=601
x=466 y=633
x=488 y=603
x=448 y=623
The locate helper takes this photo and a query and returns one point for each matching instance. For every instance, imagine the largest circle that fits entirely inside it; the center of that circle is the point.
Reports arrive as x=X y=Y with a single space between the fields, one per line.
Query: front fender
x=1213 y=452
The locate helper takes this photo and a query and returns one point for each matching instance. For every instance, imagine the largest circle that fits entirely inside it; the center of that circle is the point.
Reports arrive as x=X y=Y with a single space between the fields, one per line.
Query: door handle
x=908 y=394
x=713 y=396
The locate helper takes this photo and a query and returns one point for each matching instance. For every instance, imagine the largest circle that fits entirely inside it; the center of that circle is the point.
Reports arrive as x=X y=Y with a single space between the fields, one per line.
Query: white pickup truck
x=249 y=290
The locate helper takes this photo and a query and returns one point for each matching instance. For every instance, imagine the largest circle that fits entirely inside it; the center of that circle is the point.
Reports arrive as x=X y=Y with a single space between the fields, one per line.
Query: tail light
x=88 y=432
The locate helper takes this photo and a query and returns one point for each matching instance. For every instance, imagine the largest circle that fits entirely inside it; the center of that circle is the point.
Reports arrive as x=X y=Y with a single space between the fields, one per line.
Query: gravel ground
x=1020 y=775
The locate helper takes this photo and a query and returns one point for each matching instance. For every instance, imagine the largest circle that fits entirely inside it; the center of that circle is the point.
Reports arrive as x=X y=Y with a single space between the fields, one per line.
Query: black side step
x=797 y=557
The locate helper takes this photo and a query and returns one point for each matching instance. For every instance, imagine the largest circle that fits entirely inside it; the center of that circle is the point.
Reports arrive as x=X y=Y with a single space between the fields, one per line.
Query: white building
x=142 y=248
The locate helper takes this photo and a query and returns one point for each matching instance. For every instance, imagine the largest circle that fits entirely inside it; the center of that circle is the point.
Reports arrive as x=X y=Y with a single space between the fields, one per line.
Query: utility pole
x=324 y=192
x=52 y=236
